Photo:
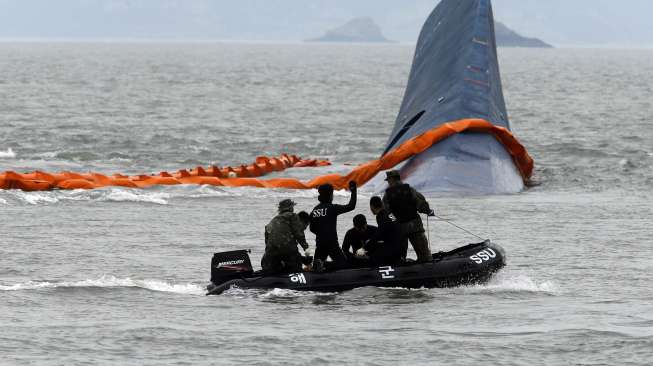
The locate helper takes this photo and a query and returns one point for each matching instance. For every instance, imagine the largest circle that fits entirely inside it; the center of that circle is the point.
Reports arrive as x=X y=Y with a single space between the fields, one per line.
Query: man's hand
x=352 y=185
x=431 y=213
x=361 y=253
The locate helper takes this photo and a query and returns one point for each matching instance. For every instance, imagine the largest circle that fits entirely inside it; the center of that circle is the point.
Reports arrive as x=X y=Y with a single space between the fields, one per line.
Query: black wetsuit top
x=385 y=245
x=355 y=240
x=324 y=220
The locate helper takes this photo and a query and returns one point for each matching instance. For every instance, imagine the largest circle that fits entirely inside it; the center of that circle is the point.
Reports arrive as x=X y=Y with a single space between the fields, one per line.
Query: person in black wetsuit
x=405 y=203
x=384 y=248
x=324 y=223
x=356 y=238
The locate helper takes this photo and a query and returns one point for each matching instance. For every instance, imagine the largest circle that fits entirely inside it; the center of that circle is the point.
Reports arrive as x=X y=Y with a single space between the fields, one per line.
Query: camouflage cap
x=286 y=205
x=392 y=174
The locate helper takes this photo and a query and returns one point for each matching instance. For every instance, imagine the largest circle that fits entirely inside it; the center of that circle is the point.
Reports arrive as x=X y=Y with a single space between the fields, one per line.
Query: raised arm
x=352 y=201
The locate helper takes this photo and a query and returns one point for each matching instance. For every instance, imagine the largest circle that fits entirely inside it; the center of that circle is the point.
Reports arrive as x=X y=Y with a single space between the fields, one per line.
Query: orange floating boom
x=247 y=175
x=42 y=181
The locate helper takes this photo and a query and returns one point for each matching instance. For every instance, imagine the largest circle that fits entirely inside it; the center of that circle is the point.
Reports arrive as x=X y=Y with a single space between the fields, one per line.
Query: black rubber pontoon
x=468 y=265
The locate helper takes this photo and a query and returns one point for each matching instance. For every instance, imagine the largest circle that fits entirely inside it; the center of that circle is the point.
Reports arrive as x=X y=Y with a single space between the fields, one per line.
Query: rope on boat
x=452 y=224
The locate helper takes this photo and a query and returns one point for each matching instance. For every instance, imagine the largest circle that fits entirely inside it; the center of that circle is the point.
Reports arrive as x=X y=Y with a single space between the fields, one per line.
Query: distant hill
x=364 y=29
x=356 y=30
x=563 y=23
x=506 y=37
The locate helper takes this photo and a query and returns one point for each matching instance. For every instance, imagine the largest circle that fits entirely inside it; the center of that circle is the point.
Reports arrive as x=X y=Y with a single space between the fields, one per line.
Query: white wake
x=7 y=154
x=514 y=282
x=110 y=282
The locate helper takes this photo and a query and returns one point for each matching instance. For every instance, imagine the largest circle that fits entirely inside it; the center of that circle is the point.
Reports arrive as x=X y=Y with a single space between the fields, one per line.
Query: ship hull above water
x=473 y=171
x=455 y=75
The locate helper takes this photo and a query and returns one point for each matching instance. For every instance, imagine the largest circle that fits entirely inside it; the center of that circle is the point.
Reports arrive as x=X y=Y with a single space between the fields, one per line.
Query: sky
x=602 y=23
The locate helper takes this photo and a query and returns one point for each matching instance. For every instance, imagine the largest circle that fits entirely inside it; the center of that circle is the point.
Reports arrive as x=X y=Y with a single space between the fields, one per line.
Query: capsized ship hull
x=455 y=75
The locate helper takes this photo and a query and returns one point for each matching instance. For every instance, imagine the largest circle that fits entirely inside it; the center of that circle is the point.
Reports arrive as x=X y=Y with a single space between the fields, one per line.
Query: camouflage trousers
x=279 y=260
x=413 y=231
x=421 y=247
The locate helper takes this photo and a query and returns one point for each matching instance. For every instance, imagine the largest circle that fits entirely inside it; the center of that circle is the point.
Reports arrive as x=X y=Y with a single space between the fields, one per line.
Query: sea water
x=117 y=276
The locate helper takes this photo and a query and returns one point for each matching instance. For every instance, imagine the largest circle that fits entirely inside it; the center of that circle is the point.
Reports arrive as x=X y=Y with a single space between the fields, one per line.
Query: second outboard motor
x=227 y=266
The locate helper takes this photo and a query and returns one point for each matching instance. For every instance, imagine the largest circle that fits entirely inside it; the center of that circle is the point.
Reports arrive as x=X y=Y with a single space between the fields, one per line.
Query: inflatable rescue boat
x=467 y=265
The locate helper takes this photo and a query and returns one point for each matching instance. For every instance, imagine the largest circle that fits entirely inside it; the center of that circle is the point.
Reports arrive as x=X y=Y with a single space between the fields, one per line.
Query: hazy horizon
x=587 y=23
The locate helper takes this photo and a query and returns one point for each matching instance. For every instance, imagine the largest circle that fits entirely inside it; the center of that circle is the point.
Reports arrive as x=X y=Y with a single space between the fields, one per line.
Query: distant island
x=356 y=30
x=366 y=30
x=506 y=37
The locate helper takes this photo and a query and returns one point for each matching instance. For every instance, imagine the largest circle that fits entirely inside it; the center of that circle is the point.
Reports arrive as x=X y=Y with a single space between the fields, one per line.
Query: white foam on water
x=112 y=195
x=49 y=154
x=3 y=201
x=203 y=191
x=75 y=195
x=625 y=163
x=7 y=154
x=51 y=197
x=163 y=196
x=280 y=293
x=277 y=293
x=120 y=160
x=514 y=282
x=236 y=292
x=120 y=195
x=109 y=282
x=35 y=198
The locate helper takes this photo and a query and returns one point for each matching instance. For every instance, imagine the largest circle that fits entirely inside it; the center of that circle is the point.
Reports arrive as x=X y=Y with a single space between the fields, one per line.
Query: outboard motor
x=227 y=266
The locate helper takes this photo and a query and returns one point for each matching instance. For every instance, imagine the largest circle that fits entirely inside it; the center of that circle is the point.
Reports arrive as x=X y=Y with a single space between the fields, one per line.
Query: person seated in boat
x=405 y=203
x=324 y=223
x=282 y=235
x=384 y=247
x=356 y=238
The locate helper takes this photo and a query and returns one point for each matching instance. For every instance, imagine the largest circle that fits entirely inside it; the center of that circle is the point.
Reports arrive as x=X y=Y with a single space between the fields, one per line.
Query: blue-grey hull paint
x=455 y=75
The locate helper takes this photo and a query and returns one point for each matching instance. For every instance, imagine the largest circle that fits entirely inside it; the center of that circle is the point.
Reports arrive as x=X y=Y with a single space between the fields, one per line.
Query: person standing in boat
x=356 y=238
x=324 y=224
x=405 y=203
x=282 y=235
x=384 y=247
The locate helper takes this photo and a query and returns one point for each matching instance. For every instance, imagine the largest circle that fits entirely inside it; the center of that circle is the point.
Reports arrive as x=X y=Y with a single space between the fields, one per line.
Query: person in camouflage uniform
x=282 y=235
x=405 y=203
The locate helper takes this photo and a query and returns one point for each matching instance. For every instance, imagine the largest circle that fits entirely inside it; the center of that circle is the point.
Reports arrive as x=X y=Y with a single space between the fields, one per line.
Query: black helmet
x=359 y=221
x=325 y=193
x=325 y=189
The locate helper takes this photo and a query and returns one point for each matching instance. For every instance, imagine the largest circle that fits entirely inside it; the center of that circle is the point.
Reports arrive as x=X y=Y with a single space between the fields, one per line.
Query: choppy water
x=117 y=276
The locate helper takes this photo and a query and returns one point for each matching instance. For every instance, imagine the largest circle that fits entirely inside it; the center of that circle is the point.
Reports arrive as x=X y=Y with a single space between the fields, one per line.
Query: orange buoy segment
x=213 y=175
x=246 y=175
